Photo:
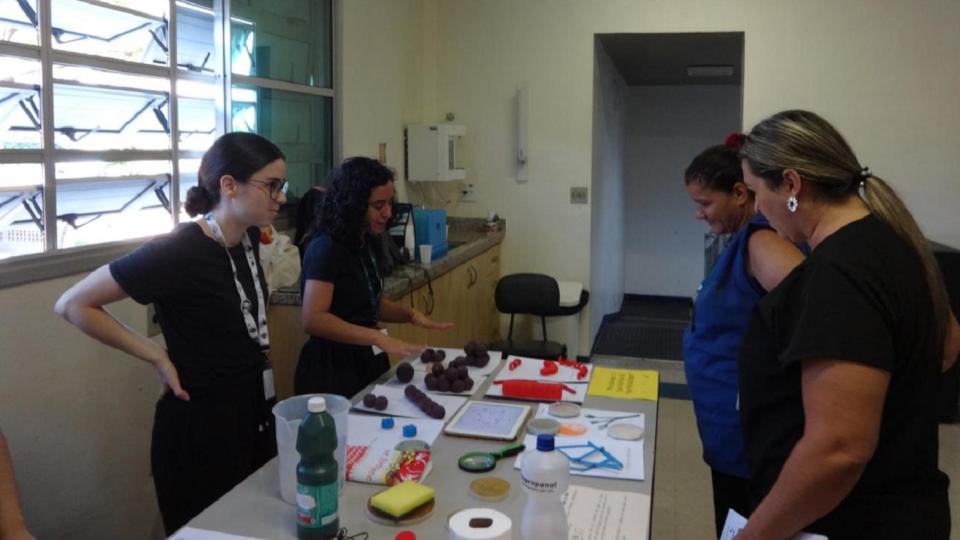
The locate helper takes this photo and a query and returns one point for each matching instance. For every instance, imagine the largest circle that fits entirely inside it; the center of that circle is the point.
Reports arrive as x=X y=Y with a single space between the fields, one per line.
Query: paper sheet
x=191 y=533
x=630 y=453
x=364 y=429
x=594 y=514
x=399 y=405
x=529 y=368
x=735 y=523
x=453 y=353
x=625 y=383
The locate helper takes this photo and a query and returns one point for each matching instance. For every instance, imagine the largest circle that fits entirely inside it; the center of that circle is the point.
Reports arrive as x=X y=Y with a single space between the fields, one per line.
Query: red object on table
x=405 y=535
x=514 y=364
x=527 y=389
x=549 y=368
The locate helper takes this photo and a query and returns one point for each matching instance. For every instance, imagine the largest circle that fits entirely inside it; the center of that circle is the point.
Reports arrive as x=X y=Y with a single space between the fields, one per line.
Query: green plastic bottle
x=317 y=493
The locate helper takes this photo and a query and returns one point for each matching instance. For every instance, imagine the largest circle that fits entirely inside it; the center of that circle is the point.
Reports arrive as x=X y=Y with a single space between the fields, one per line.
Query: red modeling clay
x=522 y=388
x=549 y=368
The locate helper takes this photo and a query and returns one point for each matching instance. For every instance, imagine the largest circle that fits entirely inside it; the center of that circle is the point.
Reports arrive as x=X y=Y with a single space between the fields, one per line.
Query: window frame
x=53 y=261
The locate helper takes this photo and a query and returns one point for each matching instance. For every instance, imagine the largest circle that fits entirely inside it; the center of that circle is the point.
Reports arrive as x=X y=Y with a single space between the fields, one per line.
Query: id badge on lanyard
x=256 y=328
x=374 y=297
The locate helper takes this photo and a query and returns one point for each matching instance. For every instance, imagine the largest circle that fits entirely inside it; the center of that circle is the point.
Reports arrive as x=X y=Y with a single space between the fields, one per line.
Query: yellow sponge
x=402 y=498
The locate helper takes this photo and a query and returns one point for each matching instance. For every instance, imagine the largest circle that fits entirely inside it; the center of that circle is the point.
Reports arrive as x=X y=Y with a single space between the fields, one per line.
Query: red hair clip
x=735 y=140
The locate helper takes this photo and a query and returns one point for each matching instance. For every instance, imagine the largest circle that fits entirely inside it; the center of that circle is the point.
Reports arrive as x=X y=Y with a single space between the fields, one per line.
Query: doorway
x=659 y=99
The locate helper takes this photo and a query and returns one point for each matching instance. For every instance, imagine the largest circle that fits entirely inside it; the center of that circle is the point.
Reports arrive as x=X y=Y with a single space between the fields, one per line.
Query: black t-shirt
x=187 y=275
x=860 y=296
x=357 y=285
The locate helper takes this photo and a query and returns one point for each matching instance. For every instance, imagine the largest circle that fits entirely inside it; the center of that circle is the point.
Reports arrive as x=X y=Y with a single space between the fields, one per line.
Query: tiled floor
x=682 y=501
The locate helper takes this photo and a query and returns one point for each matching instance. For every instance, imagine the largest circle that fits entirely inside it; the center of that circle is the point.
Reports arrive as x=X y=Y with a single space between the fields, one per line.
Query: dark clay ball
x=382 y=403
x=369 y=400
x=443 y=384
x=404 y=372
x=431 y=381
x=428 y=356
x=458 y=386
x=438 y=369
x=437 y=412
x=469 y=382
x=440 y=354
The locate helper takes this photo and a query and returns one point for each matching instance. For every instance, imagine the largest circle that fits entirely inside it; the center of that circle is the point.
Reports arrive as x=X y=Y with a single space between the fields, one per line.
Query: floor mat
x=645 y=327
x=655 y=307
x=643 y=338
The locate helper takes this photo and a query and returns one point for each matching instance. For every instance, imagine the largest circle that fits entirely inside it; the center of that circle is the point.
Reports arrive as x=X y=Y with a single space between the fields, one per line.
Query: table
x=254 y=508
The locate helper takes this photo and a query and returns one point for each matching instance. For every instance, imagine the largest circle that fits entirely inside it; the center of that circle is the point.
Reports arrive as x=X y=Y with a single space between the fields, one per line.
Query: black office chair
x=532 y=294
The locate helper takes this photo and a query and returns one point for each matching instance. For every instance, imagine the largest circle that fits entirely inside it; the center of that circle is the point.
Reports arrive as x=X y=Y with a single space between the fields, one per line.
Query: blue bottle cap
x=409 y=430
x=387 y=423
x=545 y=442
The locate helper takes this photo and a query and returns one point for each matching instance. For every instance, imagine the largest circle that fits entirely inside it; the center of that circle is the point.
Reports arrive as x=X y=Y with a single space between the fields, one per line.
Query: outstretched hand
x=397 y=347
x=421 y=320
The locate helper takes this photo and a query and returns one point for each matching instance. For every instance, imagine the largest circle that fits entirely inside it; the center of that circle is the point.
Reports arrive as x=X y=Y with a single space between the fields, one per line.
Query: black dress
x=861 y=296
x=331 y=367
x=202 y=448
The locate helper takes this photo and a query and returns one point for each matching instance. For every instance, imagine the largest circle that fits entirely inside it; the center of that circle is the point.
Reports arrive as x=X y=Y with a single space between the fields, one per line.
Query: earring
x=792 y=203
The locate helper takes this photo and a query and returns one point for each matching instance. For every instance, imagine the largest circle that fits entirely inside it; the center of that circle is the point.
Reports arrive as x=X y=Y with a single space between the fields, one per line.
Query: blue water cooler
x=430 y=227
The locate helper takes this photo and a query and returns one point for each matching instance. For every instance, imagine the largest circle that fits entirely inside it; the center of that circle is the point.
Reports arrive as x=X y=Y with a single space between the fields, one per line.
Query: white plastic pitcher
x=287 y=416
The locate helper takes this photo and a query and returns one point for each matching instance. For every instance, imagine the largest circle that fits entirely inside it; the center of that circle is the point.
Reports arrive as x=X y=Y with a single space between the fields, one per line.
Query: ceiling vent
x=709 y=71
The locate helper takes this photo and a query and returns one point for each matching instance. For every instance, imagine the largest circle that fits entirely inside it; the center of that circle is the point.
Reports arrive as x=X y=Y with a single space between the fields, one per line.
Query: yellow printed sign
x=624 y=383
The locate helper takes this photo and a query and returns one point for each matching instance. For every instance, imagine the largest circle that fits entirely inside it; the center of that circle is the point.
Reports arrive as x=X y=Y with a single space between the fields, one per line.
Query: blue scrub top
x=711 y=344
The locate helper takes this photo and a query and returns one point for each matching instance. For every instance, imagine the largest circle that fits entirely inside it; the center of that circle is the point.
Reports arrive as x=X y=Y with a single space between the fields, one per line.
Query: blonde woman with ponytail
x=840 y=364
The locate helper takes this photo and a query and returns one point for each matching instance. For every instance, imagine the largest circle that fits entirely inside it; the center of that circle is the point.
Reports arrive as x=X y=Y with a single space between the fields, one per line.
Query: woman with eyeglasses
x=212 y=424
x=342 y=287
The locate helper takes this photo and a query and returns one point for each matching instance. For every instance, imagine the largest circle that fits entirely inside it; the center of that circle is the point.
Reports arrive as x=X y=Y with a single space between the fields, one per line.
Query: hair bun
x=197 y=201
x=735 y=140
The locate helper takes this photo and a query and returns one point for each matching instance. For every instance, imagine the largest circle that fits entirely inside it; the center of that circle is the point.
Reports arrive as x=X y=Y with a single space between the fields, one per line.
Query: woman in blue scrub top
x=753 y=262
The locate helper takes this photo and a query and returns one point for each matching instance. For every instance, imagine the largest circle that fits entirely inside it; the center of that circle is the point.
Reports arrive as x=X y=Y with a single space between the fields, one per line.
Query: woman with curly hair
x=342 y=288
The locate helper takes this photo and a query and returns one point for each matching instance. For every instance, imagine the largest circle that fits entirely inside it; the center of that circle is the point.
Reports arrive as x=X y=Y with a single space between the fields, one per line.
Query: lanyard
x=374 y=297
x=257 y=330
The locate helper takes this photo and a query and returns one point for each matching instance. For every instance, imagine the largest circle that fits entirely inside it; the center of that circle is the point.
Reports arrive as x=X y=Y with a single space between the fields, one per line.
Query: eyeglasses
x=380 y=205
x=274 y=186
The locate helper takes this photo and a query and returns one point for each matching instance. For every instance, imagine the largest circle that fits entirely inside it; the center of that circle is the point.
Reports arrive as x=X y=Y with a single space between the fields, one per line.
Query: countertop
x=254 y=508
x=467 y=239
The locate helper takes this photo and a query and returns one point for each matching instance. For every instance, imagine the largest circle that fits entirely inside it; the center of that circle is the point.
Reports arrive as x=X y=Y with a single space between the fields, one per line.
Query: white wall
x=666 y=127
x=884 y=71
x=380 y=91
x=77 y=416
x=610 y=117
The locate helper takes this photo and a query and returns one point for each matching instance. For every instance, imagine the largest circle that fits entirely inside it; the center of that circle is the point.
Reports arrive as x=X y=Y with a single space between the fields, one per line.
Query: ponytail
x=886 y=205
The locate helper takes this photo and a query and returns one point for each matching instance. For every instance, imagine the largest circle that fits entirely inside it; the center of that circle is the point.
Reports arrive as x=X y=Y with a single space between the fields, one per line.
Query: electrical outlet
x=468 y=193
x=578 y=195
x=153 y=324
